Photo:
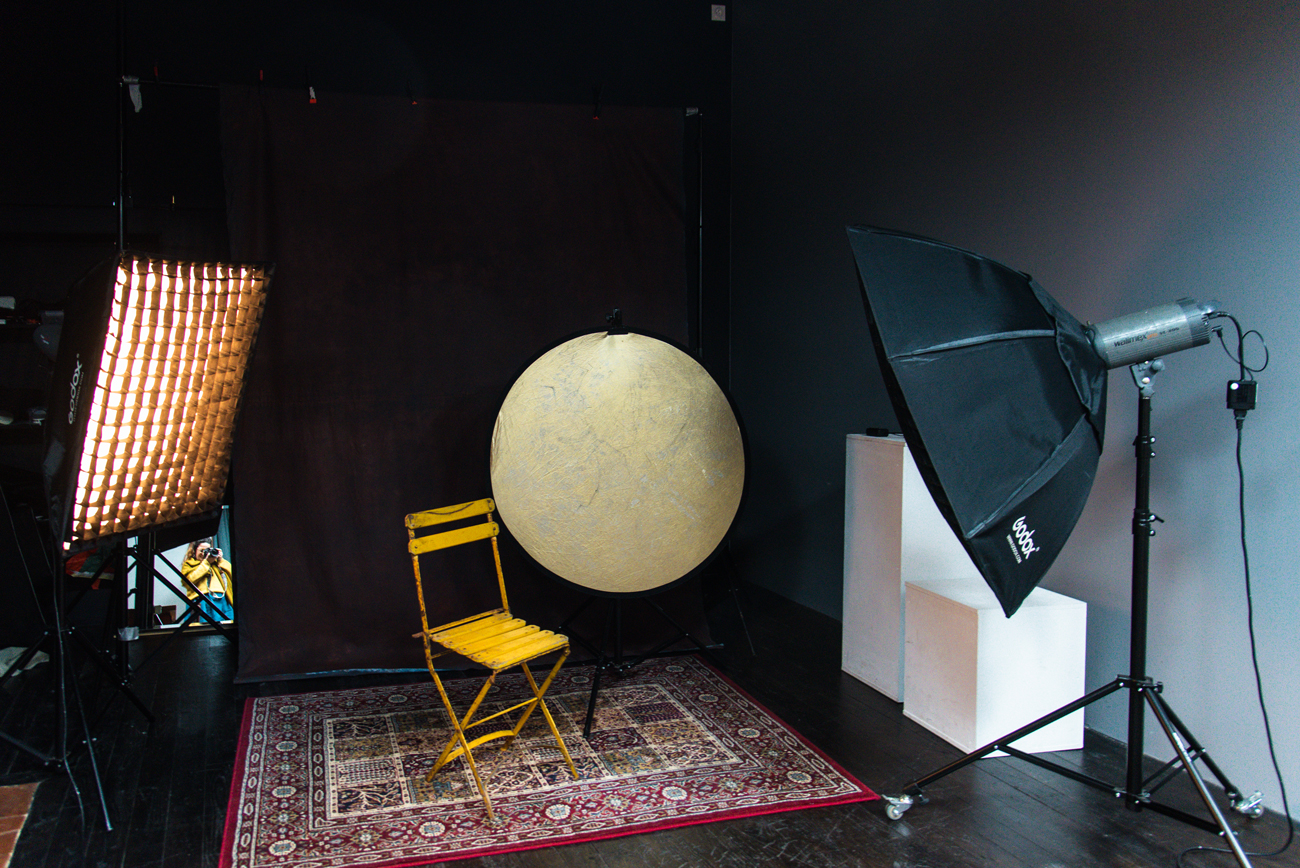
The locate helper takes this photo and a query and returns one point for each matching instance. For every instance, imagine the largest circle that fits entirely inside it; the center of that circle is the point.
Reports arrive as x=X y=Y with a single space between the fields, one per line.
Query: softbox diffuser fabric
x=999 y=393
x=618 y=463
x=149 y=380
x=425 y=254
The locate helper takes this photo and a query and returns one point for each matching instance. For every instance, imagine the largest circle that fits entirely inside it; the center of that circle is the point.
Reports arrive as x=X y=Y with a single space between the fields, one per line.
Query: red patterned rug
x=337 y=779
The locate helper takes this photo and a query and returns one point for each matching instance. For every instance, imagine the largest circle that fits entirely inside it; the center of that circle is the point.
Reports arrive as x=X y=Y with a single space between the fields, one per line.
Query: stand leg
x=609 y=656
x=682 y=633
x=1196 y=752
x=613 y=623
x=1148 y=693
x=591 y=702
x=916 y=788
x=70 y=708
x=744 y=625
x=1225 y=831
x=617 y=663
x=122 y=684
x=564 y=627
x=90 y=741
x=713 y=582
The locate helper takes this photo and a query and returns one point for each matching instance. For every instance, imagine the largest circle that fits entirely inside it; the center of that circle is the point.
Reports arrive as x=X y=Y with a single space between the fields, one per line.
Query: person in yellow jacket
x=205 y=569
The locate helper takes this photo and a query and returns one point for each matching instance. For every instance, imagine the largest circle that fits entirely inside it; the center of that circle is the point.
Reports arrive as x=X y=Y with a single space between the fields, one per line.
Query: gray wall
x=1125 y=154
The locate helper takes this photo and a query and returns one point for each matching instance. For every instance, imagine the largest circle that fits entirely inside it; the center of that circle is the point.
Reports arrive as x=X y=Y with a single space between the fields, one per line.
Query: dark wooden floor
x=168 y=783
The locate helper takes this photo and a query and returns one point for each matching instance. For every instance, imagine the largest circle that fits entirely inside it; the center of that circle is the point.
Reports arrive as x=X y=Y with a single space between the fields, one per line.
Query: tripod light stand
x=979 y=360
x=147 y=385
x=1136 y=789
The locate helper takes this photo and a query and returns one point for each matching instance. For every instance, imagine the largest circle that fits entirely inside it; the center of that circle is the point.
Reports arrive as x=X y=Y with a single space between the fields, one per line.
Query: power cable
x=1237 y=403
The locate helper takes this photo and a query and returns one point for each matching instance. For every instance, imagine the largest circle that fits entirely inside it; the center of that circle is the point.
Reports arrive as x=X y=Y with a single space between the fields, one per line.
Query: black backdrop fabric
x=425 y=254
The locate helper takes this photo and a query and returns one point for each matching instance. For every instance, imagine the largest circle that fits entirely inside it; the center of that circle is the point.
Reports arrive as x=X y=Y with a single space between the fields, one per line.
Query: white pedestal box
x=974 y=675
x=893 y=533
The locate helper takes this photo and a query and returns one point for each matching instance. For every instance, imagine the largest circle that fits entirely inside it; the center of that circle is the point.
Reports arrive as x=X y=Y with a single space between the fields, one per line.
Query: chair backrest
x=463 y=531
x=453 y=536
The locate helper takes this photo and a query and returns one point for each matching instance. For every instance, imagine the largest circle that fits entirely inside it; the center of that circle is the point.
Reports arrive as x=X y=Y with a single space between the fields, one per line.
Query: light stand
x=1136 y=790
x=69 y=700
x=147 y=385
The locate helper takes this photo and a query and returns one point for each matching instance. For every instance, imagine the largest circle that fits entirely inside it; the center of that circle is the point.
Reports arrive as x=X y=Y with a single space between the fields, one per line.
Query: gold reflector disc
x=617 y=462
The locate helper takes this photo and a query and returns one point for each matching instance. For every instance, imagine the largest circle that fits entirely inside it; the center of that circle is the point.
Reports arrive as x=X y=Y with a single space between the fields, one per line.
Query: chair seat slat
x=470 y=630
x=488 y=632
x=504 y=658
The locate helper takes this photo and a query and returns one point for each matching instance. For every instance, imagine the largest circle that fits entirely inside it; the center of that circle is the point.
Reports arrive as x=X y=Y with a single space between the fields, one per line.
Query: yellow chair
x=495 y=639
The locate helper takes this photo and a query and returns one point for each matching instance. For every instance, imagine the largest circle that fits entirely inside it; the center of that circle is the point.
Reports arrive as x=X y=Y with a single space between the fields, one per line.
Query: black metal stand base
x=616 y=663
x=1148 y=694
x=70 y=708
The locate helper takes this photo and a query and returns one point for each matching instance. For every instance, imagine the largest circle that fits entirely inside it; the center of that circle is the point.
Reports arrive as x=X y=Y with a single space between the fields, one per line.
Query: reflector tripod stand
x=617 y=663
x=1136 y=791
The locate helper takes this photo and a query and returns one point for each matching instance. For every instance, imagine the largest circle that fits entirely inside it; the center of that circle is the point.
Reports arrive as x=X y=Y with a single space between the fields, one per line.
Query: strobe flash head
x=1149 y=334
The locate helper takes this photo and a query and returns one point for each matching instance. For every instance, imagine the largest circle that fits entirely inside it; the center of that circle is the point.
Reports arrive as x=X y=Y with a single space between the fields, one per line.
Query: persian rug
x=337 y=779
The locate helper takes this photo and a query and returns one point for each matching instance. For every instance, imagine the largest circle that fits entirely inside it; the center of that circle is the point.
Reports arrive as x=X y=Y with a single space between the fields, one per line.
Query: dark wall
x=1124 y=153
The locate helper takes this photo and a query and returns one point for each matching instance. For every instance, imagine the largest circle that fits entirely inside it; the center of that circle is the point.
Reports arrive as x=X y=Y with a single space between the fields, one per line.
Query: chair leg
x=546 y=712
x=459 y=745
x=478 y=781
x=528 y=712
x=450 y=752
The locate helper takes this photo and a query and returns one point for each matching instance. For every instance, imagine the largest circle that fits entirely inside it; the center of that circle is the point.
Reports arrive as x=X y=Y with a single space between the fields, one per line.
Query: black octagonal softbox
x=999 y=392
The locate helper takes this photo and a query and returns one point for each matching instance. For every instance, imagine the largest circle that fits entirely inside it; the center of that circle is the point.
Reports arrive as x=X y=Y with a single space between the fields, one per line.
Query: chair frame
x=494 y=639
